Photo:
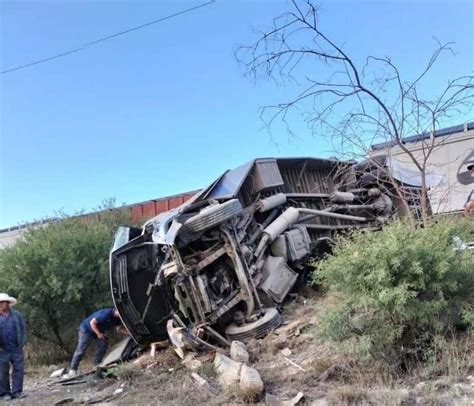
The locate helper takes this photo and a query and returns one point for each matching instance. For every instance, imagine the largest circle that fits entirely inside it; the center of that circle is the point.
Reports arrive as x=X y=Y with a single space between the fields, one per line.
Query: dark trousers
x=85 y=339
x=16 y=360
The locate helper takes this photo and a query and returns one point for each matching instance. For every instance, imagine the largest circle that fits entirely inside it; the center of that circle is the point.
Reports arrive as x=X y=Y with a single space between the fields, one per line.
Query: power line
x=92 y=43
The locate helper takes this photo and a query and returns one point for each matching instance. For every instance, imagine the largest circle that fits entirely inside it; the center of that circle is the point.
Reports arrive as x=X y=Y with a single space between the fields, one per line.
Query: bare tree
x=355 y=106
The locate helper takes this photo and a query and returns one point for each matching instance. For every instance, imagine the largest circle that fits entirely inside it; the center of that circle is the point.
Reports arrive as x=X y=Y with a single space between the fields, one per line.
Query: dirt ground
x=290 y=360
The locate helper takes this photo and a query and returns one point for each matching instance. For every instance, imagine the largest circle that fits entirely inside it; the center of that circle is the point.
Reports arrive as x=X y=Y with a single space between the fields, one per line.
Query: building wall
x=136 y=213
x=449 y=158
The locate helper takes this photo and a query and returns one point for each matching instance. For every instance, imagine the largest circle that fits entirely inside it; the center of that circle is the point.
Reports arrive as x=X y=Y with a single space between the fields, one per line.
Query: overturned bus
x=221 y=265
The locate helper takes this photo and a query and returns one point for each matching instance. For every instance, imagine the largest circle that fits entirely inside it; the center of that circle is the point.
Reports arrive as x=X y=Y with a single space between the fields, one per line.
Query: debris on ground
x=321 y=377
x=144 y=360
x=122 y=351
x=191 y=362
x=177 y=338
x=293 y=363
x=272 y=400
x=158 y=345
x=203 y=383
x=58 y=373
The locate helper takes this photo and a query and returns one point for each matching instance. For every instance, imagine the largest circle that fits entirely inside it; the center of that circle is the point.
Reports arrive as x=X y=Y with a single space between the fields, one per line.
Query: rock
x=320 y=402
x=250 y=381
x=228 y=369
x=286 y=352
x=118 y=391
x=238 y=352
x=191 y=362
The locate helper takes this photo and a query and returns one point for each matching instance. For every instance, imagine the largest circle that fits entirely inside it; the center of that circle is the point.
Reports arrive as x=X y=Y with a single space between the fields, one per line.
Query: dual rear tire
x=270 y=320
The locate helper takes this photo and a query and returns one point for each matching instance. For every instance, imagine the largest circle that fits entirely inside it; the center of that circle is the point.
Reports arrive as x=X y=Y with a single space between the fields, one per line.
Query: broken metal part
x=176 y=336
x=272 y=400
x=122 y=351
x=184 y=338
x=220 y=339
x=277 y=278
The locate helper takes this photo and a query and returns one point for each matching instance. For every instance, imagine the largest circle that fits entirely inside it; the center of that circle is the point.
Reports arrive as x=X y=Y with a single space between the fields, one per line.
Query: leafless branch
x=353 y=106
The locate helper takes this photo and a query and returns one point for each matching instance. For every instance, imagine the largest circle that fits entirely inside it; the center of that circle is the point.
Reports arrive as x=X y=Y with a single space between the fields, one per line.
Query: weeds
x=128 y=372
x=450 y=358
x=207 y=371
x=349 y=395
x=247 y=397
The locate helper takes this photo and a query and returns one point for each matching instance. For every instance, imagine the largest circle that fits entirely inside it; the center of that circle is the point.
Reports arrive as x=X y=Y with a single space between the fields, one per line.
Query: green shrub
x=398 y=288
x=59 y=273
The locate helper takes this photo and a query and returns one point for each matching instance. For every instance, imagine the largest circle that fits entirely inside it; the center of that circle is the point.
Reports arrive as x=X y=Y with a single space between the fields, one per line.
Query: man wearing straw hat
x=12 y=339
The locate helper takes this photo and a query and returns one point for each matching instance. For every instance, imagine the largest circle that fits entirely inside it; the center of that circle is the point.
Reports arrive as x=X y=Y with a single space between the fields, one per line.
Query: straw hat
x=5 y=298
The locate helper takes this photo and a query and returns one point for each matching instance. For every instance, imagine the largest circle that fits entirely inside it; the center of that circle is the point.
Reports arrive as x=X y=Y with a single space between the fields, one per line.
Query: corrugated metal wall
x=138 y=213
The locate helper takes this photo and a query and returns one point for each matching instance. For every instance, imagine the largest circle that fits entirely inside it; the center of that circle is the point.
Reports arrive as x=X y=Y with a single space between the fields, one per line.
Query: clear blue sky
x=166 y=109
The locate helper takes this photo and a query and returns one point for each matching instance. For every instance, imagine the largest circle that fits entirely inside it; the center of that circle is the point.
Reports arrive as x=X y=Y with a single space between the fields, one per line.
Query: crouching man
x=94 y=328
x=12 y=340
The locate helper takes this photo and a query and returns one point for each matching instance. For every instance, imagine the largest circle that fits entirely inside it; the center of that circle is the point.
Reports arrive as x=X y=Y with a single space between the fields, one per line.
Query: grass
x=128 y=372
x=351 y=382
x=451 y=359
x=348 y=395
x=207 y=371
x=236 y=394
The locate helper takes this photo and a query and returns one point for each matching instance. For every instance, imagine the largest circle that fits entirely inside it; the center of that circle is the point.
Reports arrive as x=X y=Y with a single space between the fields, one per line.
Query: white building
x=454 y=150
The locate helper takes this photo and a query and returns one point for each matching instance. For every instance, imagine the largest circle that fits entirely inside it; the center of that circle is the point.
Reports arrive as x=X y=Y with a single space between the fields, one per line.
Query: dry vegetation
x=290 y=360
